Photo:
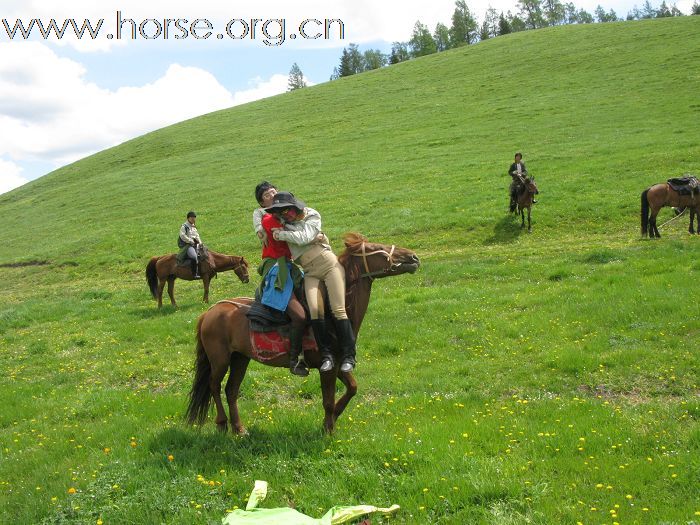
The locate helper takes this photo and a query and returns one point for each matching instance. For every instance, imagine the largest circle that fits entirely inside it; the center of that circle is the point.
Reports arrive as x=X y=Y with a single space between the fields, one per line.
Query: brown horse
x=165 y=269
x=660 y=195
x=223 y=337
x=526 y=194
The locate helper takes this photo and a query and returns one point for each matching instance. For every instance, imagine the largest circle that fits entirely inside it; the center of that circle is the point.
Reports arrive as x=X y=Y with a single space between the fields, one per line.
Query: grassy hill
x=546 y=378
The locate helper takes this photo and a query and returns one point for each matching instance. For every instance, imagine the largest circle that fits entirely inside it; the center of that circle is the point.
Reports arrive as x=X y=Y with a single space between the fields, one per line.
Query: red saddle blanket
x=269 y=345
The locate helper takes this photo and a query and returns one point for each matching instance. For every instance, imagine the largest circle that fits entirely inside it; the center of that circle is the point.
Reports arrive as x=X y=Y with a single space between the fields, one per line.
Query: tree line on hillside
x=465 y=30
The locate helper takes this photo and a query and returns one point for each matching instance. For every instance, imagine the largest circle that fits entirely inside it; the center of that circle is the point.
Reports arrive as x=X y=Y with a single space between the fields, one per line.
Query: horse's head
x=241 y=269
x=377 y=260
x=530 y=185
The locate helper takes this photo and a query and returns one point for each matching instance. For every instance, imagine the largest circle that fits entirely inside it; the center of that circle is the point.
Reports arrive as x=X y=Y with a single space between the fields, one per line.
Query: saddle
x=269 y=333
x=687 y=185
x=271 y=344
x=202 y=253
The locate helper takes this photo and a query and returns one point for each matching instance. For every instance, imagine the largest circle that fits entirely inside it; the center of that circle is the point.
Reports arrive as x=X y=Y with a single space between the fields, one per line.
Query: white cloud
x=10 y=177
x=50 y=113
x=262 y=88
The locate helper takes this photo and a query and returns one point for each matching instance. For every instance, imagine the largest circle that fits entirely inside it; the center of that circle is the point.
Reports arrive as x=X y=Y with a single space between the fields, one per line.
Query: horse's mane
x=353 y=242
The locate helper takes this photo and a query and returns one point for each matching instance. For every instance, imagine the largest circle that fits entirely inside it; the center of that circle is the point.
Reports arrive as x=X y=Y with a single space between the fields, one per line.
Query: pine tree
x=441 y=37
x=503 y=25
x=399 y=53
x=374 y=59
x=490 y=23
x=554 y=12
x=422 y=42
x=664 y=11
x=296 y=78
x=648 y=11
x=531 y=13
x=464 y=26
x=696 y=9
x=351 y=62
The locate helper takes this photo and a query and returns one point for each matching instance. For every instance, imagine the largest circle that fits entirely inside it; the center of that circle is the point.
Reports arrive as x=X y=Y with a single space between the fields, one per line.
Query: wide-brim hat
x=284 y=199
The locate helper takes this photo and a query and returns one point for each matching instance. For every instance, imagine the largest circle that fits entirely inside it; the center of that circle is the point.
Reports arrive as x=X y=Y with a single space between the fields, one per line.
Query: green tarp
x=336 y=515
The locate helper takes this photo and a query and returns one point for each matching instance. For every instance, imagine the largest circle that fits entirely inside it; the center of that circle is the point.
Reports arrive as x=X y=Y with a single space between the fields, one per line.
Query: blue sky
x=62 y=100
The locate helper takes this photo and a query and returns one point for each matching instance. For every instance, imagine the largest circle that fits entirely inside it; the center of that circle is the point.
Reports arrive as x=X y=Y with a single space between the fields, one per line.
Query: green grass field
x=543 y=378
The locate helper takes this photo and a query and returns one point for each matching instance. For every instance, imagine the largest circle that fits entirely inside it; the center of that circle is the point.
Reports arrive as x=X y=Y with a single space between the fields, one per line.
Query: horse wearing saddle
x=687 y=185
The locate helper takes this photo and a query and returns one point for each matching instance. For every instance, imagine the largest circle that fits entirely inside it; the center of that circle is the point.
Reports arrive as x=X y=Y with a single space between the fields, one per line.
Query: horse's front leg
x=692 y=219
x=205 y=281
x=171 y=289
x=529 y=226
x=238 y=367
x=522 y=217
x=328 y=392
x=350 y=390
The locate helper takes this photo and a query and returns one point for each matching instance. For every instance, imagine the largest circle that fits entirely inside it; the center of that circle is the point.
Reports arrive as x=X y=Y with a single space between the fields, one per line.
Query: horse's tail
x=200 y=394
x=645 y=213
x=152 y=276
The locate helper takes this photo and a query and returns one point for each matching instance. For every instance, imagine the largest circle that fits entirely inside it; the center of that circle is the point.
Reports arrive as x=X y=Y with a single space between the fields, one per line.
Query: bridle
x=389 y=259
x=238 y=266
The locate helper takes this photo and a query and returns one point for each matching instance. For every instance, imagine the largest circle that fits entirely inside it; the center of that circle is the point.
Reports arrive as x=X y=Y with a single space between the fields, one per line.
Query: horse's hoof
x=241 y=431
x=222 y=427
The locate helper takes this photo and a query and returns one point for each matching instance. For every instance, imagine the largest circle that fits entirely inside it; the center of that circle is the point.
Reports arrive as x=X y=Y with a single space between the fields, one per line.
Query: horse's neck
x=357 y=301
x=222 y=262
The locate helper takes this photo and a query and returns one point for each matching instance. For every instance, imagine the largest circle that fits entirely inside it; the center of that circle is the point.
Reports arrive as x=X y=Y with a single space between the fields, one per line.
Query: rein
x=364 y=255
x=226 y=301
x=674 y=218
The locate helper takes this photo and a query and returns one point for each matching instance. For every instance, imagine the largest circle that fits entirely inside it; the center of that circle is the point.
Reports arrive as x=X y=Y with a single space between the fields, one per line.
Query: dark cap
x=284 y=199
x=191 y=214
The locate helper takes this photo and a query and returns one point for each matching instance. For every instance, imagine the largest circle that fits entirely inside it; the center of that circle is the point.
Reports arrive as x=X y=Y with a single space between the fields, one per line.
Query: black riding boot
x=296 y=367
x=321 y=335
x=195 y=269
x=346 y=339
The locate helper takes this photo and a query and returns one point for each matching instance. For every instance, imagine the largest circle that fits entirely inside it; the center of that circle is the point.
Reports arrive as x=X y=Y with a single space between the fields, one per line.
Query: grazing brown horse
x=165 y=269
x=526 y=194
x=223 y=337
x=660 y=195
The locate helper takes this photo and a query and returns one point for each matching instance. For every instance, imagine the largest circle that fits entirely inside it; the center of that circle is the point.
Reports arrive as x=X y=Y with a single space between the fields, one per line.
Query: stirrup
x=298 y=368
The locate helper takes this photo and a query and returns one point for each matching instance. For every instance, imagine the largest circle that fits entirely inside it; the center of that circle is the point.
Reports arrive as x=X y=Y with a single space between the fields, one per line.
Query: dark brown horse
x=223 y=337
x=526 y=195
x=660 y=195
x=165 y=269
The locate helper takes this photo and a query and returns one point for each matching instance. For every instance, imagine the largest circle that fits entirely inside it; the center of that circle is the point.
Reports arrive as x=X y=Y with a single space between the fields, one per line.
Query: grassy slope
x=510 y=377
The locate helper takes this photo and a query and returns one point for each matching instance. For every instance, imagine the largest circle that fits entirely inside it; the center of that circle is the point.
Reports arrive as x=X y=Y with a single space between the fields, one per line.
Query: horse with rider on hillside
x=225 y=343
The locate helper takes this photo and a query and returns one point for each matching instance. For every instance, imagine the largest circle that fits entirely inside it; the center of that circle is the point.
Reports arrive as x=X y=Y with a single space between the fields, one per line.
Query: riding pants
x=324 y=267
x=192 y=253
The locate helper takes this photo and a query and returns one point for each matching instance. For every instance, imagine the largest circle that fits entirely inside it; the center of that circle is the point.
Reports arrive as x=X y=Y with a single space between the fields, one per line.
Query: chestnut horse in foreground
x=165 y=269
x=526 y=194
x=660 y=195
x=223 y=337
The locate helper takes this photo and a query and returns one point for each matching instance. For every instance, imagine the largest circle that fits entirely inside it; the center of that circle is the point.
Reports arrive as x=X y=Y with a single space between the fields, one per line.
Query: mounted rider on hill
x=518 y=172
x=189 y=241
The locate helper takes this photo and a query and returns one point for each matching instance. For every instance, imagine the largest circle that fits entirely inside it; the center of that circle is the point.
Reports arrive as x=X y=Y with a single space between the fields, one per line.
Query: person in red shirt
x=276 y=253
